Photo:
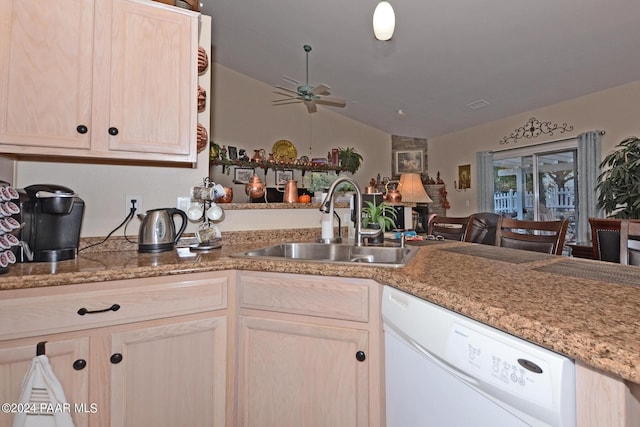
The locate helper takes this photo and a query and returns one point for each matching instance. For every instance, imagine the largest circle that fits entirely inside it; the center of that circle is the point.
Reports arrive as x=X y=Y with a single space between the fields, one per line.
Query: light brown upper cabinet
x=102 y=79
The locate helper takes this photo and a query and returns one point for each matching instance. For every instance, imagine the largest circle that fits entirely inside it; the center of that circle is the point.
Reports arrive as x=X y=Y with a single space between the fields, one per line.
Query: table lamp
x=413 y=191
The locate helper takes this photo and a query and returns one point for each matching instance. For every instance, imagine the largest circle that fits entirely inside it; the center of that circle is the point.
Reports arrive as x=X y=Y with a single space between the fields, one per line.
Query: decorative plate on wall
x=284 y=151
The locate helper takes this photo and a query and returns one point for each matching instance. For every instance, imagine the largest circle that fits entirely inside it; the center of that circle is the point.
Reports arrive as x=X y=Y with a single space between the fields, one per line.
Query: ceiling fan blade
x=285 y=102
x=290 y=95
x=286 y=89
x=331 y=100
x=321 y=89
x=311 y=105
x=289 y=98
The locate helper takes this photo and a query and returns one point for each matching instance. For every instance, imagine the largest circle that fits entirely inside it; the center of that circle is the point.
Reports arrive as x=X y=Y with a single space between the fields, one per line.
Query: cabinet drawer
x=332 y=297
x=31 y=312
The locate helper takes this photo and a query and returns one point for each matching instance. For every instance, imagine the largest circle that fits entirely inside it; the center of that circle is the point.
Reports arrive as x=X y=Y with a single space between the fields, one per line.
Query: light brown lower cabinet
x=605 y=400
x=309 y=351
x=158 y=360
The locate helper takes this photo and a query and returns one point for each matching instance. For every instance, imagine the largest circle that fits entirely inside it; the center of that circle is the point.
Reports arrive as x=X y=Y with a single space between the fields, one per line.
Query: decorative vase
x=258 y=155
x=255 y=188
x=228 y=196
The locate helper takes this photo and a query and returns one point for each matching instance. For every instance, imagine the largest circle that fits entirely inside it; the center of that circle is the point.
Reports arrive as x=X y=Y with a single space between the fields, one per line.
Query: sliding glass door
x=538 y=185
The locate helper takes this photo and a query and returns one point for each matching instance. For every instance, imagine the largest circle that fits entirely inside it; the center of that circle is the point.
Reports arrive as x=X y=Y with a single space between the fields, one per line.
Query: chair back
x=629 y=242
x=482 y=229
x=538 y=236
x=451 y=228
x=605 y=238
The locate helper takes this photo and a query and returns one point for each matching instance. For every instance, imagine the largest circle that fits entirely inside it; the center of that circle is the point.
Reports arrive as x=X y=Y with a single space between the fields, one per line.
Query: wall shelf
x=266 y=165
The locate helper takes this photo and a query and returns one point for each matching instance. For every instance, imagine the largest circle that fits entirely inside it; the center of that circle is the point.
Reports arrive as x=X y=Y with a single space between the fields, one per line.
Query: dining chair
x=538 y=236
x=629 y=242
x=482 y=229
x=605 y=239
x=449 y=227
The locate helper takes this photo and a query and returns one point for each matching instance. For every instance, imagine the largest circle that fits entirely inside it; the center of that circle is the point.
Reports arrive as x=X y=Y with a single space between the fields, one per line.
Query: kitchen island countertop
x=587 y=310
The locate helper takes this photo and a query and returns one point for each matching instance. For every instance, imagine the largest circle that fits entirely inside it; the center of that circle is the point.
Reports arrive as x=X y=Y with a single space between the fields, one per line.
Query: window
x=538 y=183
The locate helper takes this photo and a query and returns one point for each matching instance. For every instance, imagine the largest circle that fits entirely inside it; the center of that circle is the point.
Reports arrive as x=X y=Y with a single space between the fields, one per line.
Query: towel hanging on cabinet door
x=42 y=393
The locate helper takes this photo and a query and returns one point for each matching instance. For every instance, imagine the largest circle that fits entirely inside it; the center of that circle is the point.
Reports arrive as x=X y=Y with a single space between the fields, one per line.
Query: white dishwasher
x=446 y=370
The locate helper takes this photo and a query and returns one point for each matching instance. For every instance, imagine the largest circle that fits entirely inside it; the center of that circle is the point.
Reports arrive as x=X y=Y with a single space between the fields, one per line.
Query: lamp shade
x=412 y=189
x=384 y=21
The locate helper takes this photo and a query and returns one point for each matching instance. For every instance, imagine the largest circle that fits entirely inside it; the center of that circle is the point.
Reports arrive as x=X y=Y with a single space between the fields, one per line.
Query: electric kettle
x=158 y=229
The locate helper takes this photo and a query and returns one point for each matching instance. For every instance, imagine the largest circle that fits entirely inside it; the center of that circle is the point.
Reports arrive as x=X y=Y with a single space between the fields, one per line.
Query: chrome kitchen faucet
x=326 y=207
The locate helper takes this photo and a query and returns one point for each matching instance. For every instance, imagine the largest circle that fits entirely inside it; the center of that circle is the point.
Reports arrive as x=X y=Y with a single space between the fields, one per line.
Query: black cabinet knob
x=361 y=356
x=113 y=131
x=116 y=358
x=79 y=364
x=82 y=129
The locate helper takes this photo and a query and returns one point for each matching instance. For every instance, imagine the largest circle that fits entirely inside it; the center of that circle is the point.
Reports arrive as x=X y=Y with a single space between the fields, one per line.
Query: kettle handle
x=173 y=212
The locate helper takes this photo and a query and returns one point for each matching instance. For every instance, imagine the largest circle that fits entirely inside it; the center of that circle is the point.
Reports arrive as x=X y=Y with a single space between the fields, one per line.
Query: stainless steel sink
x=389 y=256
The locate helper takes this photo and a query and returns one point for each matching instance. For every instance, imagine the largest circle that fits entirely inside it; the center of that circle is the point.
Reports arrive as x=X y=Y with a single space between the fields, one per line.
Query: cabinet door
x=170 y=375
x=46 y=55
x=153 y=81
x=294 y=374
x=15 y=359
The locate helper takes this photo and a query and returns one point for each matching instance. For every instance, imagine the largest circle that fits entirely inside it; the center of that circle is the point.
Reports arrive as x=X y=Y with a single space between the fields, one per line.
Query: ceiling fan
x=310 y=96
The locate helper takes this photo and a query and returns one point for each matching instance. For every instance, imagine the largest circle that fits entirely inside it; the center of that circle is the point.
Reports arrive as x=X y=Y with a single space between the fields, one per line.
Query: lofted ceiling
x=444 y=56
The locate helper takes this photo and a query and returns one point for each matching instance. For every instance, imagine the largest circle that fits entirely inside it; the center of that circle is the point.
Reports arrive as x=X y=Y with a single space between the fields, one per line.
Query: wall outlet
x=129 y=198
x=183 y=203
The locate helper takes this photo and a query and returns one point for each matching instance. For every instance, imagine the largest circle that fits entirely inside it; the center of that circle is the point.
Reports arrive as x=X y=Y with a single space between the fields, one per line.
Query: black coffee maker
x=52 y=217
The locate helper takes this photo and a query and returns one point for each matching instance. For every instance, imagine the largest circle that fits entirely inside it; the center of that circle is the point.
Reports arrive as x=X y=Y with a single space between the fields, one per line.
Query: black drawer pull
x=361 y=356
x=82 y=129
x=116 y=358
x=79 y=364
x=83 y=311
x=113 y=131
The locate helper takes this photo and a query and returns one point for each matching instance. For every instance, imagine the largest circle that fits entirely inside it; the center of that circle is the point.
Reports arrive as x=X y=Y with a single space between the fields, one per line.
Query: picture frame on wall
x=233 y=153
x=410 y=161
x=464 y=177
x=284 y=175
x=242 y=175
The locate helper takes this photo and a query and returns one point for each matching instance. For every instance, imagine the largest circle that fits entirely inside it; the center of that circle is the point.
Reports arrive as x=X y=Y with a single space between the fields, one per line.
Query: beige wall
x=614 y=111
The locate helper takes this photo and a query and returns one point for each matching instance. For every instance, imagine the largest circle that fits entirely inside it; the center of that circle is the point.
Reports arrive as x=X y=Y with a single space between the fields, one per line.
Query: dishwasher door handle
x=444 y=365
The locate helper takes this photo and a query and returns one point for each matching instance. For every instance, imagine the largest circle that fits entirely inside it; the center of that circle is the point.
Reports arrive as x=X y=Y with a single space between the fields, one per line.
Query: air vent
x=477 y=104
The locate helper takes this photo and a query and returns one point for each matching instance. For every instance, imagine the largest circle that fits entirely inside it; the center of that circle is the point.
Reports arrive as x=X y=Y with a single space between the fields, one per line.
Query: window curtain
x=588 y=171
x=485 y=181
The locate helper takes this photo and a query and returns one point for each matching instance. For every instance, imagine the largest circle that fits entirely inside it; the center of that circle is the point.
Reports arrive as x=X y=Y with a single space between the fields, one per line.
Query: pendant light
x=384 y=21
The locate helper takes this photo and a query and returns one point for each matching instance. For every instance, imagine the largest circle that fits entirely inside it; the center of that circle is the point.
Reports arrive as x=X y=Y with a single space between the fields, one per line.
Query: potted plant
x=619 y=184
x=380 y=216
x=349 y=158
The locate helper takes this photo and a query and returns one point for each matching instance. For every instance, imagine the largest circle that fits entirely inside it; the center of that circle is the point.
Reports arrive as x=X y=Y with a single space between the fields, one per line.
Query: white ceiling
x=516 y=55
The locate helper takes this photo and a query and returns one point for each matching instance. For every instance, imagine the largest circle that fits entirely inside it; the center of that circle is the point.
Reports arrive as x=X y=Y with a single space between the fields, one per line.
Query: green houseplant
x=378 y=216
x=619 y=184
x=349 y=158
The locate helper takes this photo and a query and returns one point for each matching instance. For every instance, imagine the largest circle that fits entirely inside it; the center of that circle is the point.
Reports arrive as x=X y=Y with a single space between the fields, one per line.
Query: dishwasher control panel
x=504 y=366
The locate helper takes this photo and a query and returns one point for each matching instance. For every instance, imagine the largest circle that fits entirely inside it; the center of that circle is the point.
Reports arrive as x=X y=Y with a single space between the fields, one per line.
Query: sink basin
x=389 y=256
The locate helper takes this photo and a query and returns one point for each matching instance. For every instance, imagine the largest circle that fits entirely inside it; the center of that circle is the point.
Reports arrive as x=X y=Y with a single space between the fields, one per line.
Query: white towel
x=44 y=398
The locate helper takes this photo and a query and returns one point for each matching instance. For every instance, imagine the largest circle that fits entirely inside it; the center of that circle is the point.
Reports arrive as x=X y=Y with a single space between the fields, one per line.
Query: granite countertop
x=587 y=310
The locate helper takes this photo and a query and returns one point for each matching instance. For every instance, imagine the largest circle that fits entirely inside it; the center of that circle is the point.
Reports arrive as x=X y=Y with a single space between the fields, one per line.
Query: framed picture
x=242 y=175
x=464 y=177
x=409 y=161
x=233 y=153
x=284 y=175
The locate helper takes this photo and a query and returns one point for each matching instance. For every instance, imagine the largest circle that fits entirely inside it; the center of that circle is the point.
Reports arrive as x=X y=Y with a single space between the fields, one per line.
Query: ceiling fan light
x=384 y=21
